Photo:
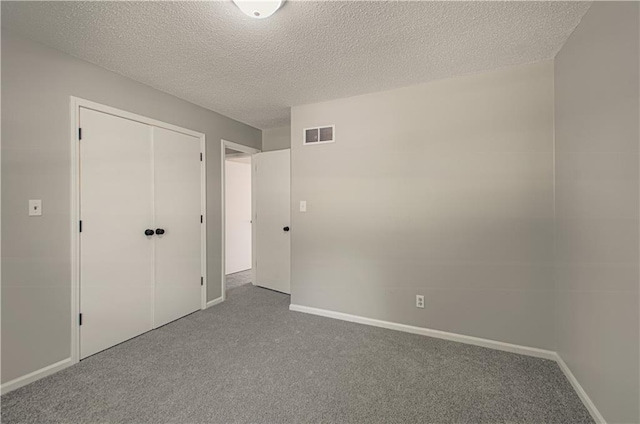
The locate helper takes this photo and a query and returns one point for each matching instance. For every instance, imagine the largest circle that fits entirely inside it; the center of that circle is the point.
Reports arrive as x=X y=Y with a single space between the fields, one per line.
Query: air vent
x=319 y=135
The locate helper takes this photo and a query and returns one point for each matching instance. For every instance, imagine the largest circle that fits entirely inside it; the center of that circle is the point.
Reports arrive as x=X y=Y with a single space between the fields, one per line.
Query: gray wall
x=276 y=139
x=442 y=189
x=596 y=88
x=36 y=85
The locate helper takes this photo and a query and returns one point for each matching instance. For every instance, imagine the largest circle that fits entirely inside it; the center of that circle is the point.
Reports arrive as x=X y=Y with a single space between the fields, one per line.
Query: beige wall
x=442 y=189
x=36 y=269
x=597 y=146
x=276 y=139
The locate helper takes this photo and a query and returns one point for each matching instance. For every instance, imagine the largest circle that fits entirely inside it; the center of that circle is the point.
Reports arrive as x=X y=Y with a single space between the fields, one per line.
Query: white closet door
x=273 y=210
x=116 y=207
x=177 y=212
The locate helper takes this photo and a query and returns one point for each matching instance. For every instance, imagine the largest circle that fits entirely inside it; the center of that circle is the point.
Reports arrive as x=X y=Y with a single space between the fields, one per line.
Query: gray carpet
x=250 y=359
x=238 y=279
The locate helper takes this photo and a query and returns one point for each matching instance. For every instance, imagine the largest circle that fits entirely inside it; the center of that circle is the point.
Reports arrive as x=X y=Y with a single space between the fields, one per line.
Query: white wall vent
x=319 y=135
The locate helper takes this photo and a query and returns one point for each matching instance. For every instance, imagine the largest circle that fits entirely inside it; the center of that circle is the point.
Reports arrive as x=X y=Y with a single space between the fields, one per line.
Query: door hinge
x=202 y=281
x=79 y=133
x=80 y=319
x=80 y=225
x=200 y=157
x=201 y=219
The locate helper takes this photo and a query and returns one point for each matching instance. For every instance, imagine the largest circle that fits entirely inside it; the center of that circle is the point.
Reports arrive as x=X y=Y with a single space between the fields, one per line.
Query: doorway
x=237 y=218
x=269 y=195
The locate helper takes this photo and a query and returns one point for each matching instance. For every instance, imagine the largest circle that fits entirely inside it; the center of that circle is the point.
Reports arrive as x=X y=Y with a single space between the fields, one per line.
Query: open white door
x=273 y=203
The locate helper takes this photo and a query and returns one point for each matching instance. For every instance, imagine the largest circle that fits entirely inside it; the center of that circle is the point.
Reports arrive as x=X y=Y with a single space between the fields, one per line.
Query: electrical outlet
x=419 y=301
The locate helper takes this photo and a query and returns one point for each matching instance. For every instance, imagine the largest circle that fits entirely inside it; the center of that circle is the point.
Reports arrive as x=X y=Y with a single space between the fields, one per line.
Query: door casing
x=75 y=103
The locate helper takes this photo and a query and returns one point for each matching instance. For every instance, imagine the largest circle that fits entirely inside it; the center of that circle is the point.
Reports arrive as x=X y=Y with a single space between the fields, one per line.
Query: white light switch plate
x=303 y=206
x=35 y=207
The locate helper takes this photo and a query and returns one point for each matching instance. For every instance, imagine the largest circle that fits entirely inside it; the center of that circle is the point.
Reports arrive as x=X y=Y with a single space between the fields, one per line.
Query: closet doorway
x=139 y=251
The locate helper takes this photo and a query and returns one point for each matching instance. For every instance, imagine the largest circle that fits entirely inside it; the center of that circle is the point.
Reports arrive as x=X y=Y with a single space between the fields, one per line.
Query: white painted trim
x=492 y=344
x=477 y=341
x=224 y=144
x=223 y=223
x=74 y=117
x=35 y=375
x=88 y=104
x=214 y=302
x=75 y=104
x=239 y=147
x=254 y=223
x=203 y=233
x=586 y=400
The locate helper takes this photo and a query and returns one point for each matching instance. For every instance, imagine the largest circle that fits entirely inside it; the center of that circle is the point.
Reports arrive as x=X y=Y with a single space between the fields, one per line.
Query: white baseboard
x=214 y=302
x=492 y=344
x=58 y=366
x=35 y=375
x=477 y=341
x=595 y=414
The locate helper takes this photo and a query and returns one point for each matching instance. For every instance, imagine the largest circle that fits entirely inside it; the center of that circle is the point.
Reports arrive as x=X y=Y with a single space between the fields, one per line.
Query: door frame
x=75 y=103
x=224 y=144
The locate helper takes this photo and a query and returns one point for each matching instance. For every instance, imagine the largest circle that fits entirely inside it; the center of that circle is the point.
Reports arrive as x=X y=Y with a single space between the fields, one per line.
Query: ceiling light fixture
x=259 y=9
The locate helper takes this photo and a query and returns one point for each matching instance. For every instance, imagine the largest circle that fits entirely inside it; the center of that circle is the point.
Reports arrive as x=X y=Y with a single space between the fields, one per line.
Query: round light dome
x=258 y=9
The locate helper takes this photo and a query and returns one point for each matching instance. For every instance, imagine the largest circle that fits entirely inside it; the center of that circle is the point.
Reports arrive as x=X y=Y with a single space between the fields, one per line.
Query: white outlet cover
x=303 y=206
x=419 y=301
x=35 y=207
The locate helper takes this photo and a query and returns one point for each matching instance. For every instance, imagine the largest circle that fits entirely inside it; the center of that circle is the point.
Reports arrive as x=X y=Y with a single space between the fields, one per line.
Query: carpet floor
x=251 y=360
x=238 y=279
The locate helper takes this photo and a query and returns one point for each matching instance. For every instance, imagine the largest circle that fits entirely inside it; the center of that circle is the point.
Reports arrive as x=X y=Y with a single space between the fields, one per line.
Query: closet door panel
x=116 y=206
x=177 y=213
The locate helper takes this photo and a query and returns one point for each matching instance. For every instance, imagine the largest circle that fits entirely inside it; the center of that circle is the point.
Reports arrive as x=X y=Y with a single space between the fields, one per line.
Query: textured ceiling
x=252 y=70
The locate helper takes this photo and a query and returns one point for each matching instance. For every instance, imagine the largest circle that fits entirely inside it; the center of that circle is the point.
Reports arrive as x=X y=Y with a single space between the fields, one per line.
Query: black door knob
x=286 y=228
x=159 y=231
x=148 y=232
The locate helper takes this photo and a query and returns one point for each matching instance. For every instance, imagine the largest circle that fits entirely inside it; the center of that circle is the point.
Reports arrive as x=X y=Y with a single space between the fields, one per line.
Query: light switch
x=303 y=206
x=35 y=207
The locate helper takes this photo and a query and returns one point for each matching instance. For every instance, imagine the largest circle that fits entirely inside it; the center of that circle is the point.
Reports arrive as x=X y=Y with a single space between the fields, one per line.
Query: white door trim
x=74 y=105
x=224 y=144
